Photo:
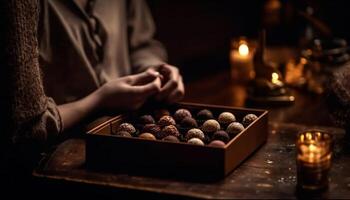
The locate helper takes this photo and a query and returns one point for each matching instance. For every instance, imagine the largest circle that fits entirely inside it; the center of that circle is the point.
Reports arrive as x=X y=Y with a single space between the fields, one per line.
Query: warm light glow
x=308 y=136
x=303 y=61
x=243 y=49
x=275 y=79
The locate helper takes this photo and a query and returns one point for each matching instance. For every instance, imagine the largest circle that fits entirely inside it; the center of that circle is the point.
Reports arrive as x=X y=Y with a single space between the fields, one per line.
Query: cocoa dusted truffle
x=221 y=135
x=248 y=119
x=210 y=126
x=166 y=121
x=196 y=141
x=171 y=138
x=146 y=119
x=168 y=130
x=217 y=143
x=180 y=114
x=122 y=134
x=147 y=136
x=126 y=127
x=234 y=128
x=189 y=122
x=160 y=113
x=195 y=133
x=151 y=128
x=226 y=118
x=205 y=114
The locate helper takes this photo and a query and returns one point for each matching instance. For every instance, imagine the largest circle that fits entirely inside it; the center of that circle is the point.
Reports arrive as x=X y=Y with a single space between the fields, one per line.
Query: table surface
x=269 y=173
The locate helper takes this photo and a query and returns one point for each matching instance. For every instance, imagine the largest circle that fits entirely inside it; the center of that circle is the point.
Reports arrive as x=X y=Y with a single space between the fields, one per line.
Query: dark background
x=197 y=33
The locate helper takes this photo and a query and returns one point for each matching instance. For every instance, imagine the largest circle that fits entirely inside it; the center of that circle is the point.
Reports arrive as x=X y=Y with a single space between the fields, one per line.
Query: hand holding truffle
x=173 y=89
x=128 y=92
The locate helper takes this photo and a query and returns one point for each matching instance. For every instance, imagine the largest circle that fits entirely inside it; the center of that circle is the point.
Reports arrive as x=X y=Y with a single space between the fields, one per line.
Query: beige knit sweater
x=27 y=114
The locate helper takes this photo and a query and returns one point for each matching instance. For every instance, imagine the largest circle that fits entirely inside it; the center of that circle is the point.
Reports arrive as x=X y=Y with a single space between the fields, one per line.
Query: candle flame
x=308 y=136
x=243 y=49
x=275 y=79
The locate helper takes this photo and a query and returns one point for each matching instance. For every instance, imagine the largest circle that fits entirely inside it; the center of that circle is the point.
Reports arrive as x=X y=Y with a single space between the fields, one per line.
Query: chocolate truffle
x=171 y=138
x=147 y=136
x=151 y=128
x=210 y=126
x=195 y=133
x=180 y=114
x=168 y=130
x=126 y=127
x=196 y=141
x=122 y=134
x=234 y=128
x=221 y=135
x=226 y=118
x=205 y=114
x=146 y=119
x=166 y=121
x=189 y=122
x=217 y=143
x=160 y=113
x=248 y=119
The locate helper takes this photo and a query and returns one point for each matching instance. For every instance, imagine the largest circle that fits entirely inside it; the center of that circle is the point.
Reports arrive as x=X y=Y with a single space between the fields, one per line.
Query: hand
x=129 y=92
x=172 y=89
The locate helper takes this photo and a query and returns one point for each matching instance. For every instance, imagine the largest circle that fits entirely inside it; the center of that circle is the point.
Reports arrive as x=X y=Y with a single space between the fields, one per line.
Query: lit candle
x=275 y=79
x=313 y=159
x=241 y=58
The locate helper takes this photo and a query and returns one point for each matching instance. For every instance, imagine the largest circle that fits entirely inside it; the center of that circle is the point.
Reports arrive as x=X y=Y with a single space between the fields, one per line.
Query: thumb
x=143 y=78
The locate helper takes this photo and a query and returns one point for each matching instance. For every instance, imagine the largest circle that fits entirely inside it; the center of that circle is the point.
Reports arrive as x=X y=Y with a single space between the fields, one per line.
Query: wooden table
x=269 y=173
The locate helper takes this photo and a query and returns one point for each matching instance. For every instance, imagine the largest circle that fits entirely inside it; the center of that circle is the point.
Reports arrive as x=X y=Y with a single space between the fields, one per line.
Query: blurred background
x=197 y=33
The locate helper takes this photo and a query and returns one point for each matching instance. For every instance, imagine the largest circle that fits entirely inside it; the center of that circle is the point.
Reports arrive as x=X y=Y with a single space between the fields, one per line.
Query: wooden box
x=174 y=160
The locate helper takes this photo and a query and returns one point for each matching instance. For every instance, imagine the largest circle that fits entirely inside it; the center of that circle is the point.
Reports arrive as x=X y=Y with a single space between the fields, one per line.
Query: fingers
x=143 y=78
x=148 y=89
x=173 y=80
x=177 y=94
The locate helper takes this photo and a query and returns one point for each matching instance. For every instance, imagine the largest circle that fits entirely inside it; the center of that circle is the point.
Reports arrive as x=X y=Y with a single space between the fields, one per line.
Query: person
x=115 y=66
x=100 y=55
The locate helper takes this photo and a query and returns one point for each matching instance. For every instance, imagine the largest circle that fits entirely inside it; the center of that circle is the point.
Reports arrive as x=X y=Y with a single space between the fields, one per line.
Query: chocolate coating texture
x=126 y=127
x=180 y=114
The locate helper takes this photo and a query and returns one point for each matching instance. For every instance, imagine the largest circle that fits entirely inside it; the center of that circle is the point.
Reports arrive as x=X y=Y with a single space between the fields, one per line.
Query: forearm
x=74 y=112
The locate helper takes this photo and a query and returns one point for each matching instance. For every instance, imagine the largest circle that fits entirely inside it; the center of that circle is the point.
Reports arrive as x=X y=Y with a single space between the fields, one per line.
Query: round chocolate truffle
x=234 y=128
x=217 y=143
x=122 y=134
x=126 y=127
x=221 y=135
x=151 y=128
x=226 y=118
x=166 y=121
x=196 y=141
x=210 y=126
x=168 y=130
x=180 y=114
x=195 y=133
x=160 y=113
x=205 y=114
x=189 y=122
x=171 y=138
x=146 y=119
x=248 y=119
x=147 y=136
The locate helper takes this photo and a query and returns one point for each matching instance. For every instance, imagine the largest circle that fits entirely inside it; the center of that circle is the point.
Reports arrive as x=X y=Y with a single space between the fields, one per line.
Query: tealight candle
x=314 y=153
x=241 y=58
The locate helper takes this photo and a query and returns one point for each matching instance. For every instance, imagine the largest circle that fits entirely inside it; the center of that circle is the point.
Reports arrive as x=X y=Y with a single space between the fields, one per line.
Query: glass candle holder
x=241 y=59
x=314 y=155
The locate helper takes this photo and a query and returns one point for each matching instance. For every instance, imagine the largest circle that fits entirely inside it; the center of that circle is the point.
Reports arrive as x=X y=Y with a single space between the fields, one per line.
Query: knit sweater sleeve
x=29 y=114
x=338 y=96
